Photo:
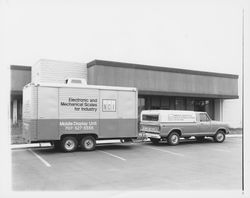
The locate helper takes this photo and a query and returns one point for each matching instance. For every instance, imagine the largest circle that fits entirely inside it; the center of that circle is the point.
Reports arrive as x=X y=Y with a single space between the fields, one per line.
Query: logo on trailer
x=108 y=105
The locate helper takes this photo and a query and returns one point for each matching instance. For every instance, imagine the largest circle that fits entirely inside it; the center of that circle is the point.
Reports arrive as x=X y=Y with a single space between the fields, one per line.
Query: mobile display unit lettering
x=71 y=116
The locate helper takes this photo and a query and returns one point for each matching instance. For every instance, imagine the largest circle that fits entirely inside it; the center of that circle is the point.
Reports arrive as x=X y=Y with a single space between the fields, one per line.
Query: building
x=20 y=76
x=158 y=87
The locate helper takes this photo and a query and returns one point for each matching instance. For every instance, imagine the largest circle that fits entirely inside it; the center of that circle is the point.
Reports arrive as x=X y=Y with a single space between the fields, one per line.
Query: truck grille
x=154 y=129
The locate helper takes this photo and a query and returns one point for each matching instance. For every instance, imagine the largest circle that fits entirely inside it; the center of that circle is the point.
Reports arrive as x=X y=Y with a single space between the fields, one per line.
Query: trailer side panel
x=47 y=123
x=30 y=113
x=78 y=111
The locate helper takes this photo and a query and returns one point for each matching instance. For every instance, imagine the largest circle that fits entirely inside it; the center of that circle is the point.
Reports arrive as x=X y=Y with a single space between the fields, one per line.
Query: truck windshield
x=150 y=117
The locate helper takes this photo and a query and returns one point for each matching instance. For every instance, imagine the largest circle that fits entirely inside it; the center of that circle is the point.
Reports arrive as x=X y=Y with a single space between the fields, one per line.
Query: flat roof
x=157 y=68
x=20 y=67
x=60 y=85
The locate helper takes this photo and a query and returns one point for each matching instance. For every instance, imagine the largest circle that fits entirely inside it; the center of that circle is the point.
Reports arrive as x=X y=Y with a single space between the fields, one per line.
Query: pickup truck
x=170 y=125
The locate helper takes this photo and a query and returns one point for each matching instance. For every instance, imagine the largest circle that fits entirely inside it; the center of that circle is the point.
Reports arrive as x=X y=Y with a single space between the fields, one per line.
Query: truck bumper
x=153 y=135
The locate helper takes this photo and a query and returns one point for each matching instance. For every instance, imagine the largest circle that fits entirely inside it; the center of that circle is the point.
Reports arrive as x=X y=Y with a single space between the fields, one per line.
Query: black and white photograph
x=124 y=98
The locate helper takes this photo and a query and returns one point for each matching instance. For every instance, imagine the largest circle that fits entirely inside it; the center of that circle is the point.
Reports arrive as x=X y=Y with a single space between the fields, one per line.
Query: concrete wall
x=217 y=109
x=232 y=113
x=228 y=111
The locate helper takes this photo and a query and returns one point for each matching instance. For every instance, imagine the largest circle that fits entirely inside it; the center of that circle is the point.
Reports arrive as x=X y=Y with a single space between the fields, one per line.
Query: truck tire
x=219 y=136
x=154 y=140
x=88 y=143
x=173 y=138
x=200 y=138
x=69 y=144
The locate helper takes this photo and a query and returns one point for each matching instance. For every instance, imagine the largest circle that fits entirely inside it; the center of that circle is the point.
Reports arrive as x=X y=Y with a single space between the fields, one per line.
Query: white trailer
x=69 y=116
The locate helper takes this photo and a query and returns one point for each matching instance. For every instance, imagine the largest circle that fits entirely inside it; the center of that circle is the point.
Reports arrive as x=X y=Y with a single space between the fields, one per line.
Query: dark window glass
x=179 y=104
x=204 y=117
x=150 y=117
x=141 y=105
x=199 y=105
x=155 y=103
x=165 y=103
x=190 y=104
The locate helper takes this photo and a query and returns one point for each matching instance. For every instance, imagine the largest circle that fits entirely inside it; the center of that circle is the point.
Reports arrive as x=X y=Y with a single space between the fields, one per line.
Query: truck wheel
x=173 y=138
x=69 y=144
x=155 y=141
x=219 y=136
x=200 y=138
x=88 y=143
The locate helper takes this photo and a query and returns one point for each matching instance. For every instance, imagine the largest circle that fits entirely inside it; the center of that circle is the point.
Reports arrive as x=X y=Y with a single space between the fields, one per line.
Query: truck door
x=47 y=124
x=205 y=124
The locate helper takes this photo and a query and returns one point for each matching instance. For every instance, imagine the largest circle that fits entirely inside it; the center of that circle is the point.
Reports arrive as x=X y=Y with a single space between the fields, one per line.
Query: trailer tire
x=219 y=136
x=173 y=138
x=69 y=144
x=88 y=143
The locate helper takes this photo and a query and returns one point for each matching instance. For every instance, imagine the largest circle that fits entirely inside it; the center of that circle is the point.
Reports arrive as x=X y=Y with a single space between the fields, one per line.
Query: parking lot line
x=40 y=158
x=165 y=151
x=221 y=150
x=113 y=155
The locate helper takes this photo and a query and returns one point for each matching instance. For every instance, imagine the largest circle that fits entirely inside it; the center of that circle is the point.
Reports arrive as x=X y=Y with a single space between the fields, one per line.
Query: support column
x=218 y=109
x=14 y=112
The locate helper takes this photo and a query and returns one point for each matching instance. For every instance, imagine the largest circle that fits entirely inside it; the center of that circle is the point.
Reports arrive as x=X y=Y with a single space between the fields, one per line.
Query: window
x=165 y=103
x=141 y=105
x=190 y=104
x=150 y=117
x=180 y=104
x=204 y=117
x=155 y=102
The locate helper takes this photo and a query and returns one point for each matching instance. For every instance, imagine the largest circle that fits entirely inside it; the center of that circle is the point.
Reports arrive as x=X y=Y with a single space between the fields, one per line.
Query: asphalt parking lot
x=132 y=166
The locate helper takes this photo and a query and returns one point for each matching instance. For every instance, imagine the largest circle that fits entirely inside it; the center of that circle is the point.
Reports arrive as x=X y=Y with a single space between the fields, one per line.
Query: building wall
x=217 y=109
x=232 y=113
x=162 y=81
x=154 y=82
x=20 y=77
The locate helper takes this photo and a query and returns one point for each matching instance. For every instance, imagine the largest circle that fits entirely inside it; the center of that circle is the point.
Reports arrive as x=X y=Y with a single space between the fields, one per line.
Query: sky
x=200 y=35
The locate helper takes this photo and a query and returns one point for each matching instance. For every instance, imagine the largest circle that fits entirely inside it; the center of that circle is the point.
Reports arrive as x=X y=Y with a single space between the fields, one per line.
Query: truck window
x=150 y=117
x=204 y=117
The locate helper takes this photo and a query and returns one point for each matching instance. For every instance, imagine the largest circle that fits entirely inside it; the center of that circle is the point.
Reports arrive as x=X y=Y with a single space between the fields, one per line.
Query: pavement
x=131 y=166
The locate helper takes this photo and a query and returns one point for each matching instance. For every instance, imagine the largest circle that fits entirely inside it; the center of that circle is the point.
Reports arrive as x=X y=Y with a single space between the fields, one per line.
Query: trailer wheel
x=69 y=144
x=88 y=143
x=219 y=136
x=173 y=138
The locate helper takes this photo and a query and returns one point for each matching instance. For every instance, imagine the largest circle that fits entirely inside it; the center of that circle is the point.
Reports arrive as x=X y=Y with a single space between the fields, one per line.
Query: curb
x=41 y=145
